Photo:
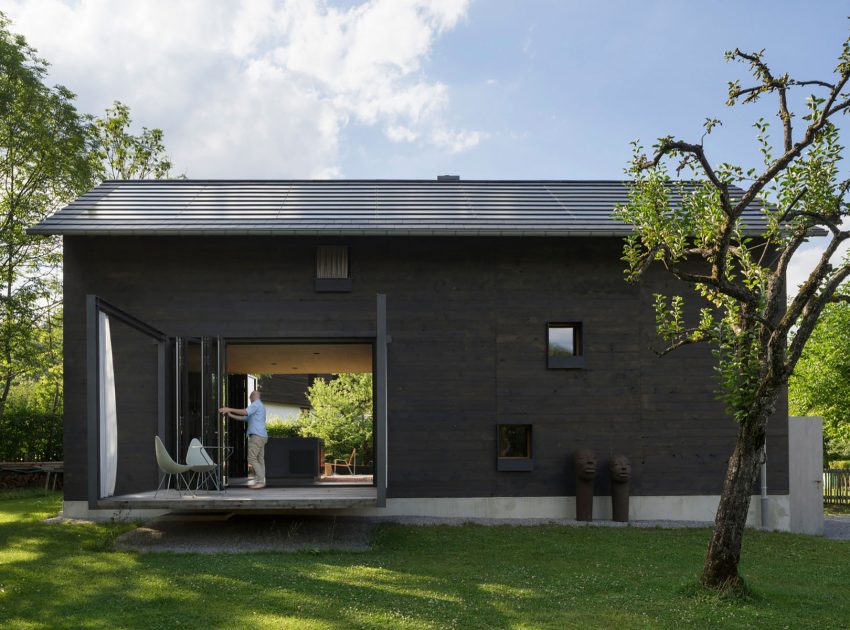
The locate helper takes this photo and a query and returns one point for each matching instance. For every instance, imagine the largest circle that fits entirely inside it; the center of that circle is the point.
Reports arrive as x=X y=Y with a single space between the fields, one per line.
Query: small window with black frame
x=514 y=447
x=564 y=345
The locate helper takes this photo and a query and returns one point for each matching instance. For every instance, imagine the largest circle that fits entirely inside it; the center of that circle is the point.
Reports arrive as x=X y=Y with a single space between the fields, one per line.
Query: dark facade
x=467 y=317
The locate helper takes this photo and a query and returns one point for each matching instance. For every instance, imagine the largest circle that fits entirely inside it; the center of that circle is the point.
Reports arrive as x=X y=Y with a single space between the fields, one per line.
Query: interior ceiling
x=314 y=358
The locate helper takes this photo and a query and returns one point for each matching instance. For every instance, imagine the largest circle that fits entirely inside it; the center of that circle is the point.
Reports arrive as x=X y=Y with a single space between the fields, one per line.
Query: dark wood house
x=493 y=315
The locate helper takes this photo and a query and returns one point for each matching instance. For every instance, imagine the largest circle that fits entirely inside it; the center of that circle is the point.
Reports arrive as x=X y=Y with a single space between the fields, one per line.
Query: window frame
x=515 y=464
x=576 y=361
x=332 y=285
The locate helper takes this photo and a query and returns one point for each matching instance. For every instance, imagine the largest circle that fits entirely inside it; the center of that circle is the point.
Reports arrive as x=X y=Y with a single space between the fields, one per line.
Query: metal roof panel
x=344 y=207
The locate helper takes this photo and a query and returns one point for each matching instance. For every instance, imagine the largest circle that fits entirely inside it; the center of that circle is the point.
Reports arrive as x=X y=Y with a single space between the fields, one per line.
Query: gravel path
x=527 y=522
x=241 y=534
x=245 y=534
x=836 y=527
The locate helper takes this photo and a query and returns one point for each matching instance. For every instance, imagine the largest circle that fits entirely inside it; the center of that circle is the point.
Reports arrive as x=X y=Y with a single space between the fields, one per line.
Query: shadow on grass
x=413 y=577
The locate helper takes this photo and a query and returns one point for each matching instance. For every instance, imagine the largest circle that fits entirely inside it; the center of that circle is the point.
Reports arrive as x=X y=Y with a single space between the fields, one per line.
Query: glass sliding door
x=213 y=395
x=198 y=395
x=189 y=394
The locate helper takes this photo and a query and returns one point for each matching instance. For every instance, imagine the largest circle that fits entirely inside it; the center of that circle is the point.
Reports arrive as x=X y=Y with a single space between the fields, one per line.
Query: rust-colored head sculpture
x=621 y=469
x=585 y=464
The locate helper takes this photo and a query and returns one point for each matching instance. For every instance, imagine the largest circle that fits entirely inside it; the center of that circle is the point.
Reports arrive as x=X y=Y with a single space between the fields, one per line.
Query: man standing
x=255 y=416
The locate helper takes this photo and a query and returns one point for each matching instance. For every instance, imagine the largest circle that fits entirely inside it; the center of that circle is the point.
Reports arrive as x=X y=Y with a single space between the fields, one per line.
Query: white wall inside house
x=282 y=411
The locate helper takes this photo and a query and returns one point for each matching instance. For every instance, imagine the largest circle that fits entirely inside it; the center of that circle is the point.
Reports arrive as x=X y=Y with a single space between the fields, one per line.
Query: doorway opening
x=319 y=397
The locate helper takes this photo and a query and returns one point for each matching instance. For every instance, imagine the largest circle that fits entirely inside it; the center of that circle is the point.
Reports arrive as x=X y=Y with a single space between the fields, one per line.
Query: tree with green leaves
x=341 y=414
x=820 y=384
x=46 y=160
x=697 y=230
x=123 y=155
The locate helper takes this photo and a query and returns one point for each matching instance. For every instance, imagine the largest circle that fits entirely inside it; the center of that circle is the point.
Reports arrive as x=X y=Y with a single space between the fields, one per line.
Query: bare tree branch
x=810 y=315
x=668 y=145
x=770 y=83
x=687 y=338
x=809 y=289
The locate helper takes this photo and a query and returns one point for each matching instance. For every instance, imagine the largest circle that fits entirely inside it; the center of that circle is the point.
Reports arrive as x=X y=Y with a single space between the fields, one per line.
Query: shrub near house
x=341 y=415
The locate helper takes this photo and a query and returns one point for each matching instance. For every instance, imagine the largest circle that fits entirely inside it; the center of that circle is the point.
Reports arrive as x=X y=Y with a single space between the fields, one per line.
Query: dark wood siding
x=467 y=318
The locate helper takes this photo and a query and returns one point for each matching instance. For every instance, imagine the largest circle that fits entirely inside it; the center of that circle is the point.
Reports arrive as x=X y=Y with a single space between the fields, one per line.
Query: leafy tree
x=820 y=384
x=703 y=240
x=49 y=154
x=123 y=155
x=341 y=414
x=45 y=161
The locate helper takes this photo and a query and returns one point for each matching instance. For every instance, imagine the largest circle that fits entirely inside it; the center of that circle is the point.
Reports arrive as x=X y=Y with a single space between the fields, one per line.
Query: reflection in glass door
x=189 y=394
x=199 y=394
x=214 y=429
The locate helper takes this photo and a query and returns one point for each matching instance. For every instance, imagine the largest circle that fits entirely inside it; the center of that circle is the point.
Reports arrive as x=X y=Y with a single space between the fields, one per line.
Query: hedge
x=30 y=436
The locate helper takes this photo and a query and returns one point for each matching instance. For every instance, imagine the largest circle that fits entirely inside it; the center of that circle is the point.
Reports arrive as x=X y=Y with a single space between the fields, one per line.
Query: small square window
x=514 y=447
x=564 y=345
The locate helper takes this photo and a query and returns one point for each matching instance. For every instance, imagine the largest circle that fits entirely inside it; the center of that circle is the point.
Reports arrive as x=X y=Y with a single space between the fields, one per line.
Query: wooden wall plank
x=467 y=318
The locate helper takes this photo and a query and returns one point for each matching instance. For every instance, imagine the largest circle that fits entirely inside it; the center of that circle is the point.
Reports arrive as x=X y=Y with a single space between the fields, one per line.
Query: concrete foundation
x=670 y=508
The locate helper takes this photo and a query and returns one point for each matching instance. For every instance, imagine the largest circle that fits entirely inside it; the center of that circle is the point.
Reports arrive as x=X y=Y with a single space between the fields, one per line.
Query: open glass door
x=213 y=384
x=198 y=389
x=189 y=394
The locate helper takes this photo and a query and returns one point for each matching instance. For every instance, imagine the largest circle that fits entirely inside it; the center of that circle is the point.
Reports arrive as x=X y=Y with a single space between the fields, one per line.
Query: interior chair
x=350 y=463
x=201 y=464
x=170 y=468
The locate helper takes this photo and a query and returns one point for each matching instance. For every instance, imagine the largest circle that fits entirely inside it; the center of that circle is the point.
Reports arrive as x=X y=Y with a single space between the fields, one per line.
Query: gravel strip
x=836 y=527
x=529 y=522
x=247 y=534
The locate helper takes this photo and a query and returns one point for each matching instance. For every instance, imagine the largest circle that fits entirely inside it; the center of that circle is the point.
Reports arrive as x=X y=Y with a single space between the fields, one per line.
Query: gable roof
x=348 y=207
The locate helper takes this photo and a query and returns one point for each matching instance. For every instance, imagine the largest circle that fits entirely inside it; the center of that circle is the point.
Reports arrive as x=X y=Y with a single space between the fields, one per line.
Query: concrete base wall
x=671 y=508
x=80 y=509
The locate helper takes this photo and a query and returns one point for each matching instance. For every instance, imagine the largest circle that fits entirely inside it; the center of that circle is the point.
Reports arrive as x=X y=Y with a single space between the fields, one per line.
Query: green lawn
x=437 y=577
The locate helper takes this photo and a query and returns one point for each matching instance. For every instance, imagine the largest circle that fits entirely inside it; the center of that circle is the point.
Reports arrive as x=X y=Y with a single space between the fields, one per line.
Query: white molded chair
x=170 y=468
x=200 y=463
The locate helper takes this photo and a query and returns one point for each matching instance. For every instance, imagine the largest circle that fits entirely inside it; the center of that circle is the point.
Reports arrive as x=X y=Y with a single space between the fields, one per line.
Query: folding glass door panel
x=198 y=389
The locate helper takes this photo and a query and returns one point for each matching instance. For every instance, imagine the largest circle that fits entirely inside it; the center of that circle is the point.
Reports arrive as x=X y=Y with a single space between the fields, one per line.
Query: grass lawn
x=57 y=576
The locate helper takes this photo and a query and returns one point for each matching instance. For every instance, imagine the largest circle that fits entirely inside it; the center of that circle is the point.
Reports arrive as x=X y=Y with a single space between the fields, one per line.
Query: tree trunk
x=4 y=392
x=724 y=549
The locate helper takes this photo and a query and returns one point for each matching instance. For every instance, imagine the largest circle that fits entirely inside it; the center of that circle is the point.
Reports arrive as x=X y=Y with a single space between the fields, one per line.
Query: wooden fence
x=836 y=487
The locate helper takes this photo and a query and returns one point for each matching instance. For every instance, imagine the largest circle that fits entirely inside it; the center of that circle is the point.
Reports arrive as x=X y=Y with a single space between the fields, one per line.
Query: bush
x=30 y=435
x=839 y=464
x=282 y=428
x=341 y=414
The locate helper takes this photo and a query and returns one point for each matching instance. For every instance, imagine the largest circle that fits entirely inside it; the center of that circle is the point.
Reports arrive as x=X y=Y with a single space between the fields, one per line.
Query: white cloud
x=457 y=141
x=260 y=88
x=807 y=257
x=400 y=133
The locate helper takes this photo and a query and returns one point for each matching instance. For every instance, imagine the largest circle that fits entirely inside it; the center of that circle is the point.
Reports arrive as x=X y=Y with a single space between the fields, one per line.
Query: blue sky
x=562 y=87
x=486 y=89
x=527 y=89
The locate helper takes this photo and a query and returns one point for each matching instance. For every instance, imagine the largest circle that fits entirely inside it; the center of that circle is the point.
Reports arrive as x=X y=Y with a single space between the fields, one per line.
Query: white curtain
x=108 y=413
